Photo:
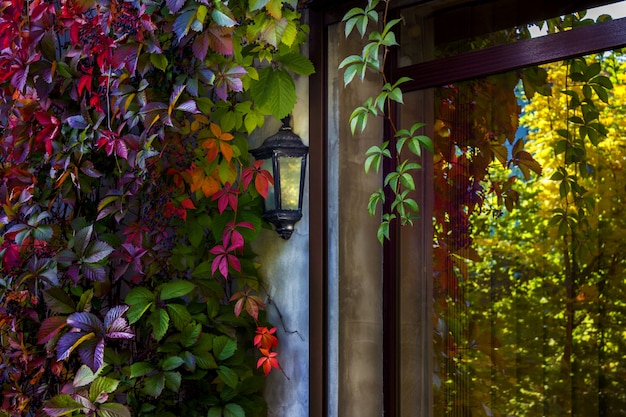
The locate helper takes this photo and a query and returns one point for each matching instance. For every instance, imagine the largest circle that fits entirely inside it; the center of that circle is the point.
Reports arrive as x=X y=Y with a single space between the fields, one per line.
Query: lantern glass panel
x=270 y=201
x=290 y=168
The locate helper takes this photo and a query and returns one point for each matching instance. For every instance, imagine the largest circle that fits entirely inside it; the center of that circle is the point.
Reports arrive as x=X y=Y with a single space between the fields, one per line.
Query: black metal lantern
x=284 y=155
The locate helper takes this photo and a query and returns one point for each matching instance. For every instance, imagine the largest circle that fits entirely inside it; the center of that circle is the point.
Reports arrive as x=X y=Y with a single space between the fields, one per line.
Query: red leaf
x=200 y=46
x=220 y=39
x=187 y=203
x=262 y=178
x=265 y=338
x=267 y=361
x=239 y=306
x=49 y=328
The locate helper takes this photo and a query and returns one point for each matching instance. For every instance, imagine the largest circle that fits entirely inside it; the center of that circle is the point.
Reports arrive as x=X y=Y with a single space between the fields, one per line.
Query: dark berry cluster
x=125 y=19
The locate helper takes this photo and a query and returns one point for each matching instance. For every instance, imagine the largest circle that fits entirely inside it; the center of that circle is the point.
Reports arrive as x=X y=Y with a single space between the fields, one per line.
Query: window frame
x=320 y=15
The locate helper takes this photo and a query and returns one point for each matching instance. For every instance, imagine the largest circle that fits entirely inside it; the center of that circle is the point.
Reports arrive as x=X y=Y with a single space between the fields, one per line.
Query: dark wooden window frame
x=579 y=41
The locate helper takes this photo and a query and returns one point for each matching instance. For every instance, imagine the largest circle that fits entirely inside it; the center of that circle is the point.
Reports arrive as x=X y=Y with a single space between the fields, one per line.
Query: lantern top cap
x=283 y=142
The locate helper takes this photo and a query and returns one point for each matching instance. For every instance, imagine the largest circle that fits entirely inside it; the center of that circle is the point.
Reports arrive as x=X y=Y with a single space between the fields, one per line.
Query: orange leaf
x=218 y=134
x=226 y=150
x=200 y=181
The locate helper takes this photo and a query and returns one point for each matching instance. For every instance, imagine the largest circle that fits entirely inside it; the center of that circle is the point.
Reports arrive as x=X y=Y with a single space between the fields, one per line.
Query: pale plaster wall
x=285 y=268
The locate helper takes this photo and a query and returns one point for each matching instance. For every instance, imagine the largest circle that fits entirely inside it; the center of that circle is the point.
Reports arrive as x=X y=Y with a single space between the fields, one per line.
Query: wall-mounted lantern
x=284 y=155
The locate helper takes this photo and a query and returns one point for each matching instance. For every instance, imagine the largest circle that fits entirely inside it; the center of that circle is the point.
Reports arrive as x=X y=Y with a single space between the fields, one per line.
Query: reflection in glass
x=529 y=213
x=484 y=24
x=270 y=201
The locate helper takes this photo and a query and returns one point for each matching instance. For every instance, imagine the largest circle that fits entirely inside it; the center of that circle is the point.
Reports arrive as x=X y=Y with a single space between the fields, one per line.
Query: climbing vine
x=129 y=202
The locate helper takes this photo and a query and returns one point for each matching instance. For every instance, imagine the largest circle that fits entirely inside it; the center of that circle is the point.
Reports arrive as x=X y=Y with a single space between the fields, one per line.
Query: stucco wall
x=285 y=267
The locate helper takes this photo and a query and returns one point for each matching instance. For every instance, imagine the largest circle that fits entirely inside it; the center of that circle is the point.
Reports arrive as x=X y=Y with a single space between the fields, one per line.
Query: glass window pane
x=528 y=268
x=290 y=169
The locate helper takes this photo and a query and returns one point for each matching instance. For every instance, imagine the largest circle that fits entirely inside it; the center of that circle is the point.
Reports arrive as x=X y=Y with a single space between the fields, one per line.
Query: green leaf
x=179 y=315
x=228 y=376
x=43 y=232
x=61 y=405
x=426 y=143
x=407 y=180
x=224 y=347
x=159 y=61
x=215 y=412
x=160 y=322
x=172 y=380
x=171 y=363
x=222 y=18
x=257 y=4
x=297 y=63
x=135 y=312
x=64 y=69
x=190 y=334
x=139 y=295
x=205 y=360
x=375 y=198
x=276 y=91
x=603 y=81
x=138 y=369
x=154 y=385
x=290 y=33
x=195 y=235
x=84 y=376
x=102 y=385
x=203 y=270
x=601 y=92
x=233 y=410
x=175 y=289
x=113 y=410
x=355 y=64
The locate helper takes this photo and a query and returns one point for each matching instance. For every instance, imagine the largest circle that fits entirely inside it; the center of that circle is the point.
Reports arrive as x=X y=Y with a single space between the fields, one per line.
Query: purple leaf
x=126 y=56
x=153 y=106
x=121 y=335
x=221 y=90
x=87 y=322
x=77 y=122
x=92 y=353
x=19 y=78
x=121 y=149
x=113 y=314
x=66 y=256
x=175 y=5
x=97 y=252
x=178 y=90
x=189 y=106
x=207 y=75
x=182 y=23
x=82 y=238
x=72 y=272
x=88 y=169
x=94 y=272
x=66 y=344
